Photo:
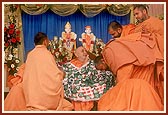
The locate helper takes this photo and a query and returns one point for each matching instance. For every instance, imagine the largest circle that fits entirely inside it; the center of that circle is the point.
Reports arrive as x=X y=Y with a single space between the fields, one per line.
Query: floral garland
x=98 y=47
x=11 y=41
x=11 y=34
x=59 y=52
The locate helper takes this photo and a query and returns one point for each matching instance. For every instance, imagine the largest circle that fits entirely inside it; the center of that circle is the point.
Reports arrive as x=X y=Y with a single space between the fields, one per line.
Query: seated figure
x=83 y=83
x=88 y=39
x=48 y=87
x=69 y=39
x=136 y=61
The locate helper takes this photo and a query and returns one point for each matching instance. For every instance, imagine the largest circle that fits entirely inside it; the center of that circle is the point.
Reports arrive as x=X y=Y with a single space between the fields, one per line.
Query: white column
x=6 y=89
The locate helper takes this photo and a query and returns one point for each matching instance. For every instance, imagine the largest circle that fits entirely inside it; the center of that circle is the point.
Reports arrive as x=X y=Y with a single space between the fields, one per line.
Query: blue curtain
x=53 y=25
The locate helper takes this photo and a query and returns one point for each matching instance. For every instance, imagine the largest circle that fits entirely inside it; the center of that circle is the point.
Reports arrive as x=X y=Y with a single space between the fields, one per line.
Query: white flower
x=10 y=57
x=15 y=74
x=12 y=65
x=52 y=51
x=17 y=61
x=56 y=54
x=60 y=49
x=101 y=47
x=55 y=38
x=17 y=69
x=49 y=43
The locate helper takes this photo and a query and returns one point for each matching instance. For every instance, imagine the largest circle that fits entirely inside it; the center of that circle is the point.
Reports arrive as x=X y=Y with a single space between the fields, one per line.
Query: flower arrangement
x=97 y=49
x=58 y=51
x=13 y=64
x=98 y=46
x=11 y=34
x=11 y=41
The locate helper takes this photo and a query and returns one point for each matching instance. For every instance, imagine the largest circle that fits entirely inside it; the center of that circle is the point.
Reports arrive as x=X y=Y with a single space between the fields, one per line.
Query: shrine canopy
x=97 y=16
x=89 y=10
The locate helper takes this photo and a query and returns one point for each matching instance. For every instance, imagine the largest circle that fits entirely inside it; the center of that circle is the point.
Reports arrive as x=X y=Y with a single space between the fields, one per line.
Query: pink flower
x=9 y=40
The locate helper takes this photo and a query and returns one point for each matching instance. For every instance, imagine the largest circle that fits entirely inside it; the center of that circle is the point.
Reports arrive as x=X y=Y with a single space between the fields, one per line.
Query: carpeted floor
x=93 y=109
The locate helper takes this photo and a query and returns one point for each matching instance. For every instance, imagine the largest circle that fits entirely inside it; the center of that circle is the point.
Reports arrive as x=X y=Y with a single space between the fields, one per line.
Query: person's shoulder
x=31 y=52
x=154 y=19
x=129 y=25
x=109 y=42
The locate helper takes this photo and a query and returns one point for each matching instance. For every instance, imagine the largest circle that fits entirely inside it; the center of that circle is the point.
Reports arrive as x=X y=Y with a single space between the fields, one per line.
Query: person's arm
x=108 y=57
x=61 y=69
x=124 y=73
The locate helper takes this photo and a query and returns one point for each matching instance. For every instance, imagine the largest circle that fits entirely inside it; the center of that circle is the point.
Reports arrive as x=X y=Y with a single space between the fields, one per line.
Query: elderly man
x=83 y=83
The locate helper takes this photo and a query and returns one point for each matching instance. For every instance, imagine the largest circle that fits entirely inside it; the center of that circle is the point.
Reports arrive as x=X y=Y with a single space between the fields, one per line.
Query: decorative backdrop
x=53 y=25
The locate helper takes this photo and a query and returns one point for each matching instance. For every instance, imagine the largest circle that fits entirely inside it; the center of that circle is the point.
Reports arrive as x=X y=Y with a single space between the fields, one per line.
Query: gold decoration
x=68 y=25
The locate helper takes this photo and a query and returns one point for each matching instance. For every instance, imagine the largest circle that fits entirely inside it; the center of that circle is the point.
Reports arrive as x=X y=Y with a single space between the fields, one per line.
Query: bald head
x=81 y=53
x=79 y=49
